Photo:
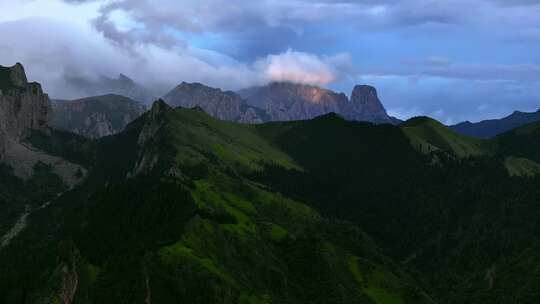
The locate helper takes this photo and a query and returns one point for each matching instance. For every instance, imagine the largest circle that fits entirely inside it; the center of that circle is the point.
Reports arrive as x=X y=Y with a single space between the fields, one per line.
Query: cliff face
x=284 y=101
x=287 y=101
x=25 y=109
x=365 y=105
x=23 y=106
x=224 y=105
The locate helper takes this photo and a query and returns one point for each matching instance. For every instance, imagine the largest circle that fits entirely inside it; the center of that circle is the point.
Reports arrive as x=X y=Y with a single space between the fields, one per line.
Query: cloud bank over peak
x=432 y=56
x=80 y=52
x=304 y=68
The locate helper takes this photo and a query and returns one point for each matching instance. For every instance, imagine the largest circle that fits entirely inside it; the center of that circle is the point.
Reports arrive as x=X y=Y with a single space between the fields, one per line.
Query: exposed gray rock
x=365 y=105
x=224 y=105
x=285 y=101
x=96 y=117
x=24 y=109
x=23 y=106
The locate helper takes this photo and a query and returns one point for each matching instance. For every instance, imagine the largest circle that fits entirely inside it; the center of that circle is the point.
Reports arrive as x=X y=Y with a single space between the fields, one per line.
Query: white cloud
x=303 y=68
x=79 y=51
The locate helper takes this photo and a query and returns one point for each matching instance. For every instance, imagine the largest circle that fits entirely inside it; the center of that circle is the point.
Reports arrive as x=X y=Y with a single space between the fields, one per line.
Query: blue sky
x=454 y=60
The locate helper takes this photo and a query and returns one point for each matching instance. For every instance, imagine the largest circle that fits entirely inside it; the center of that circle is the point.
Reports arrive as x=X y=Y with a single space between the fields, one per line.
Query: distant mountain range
x=123 y=85
x=182 y=207
x=280 y=101
x=95 y=117
x=494 y=127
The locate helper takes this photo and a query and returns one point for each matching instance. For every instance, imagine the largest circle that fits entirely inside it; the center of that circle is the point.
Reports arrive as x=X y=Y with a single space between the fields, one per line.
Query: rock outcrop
x=365 y=105
x=96 y=117
x=224 y=105
x=25 y=109
x=285 y=101
x=23 y=106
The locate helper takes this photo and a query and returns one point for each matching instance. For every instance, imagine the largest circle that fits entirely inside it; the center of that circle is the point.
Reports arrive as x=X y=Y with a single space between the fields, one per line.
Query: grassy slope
x=197 y=229
x=451 y=223
x=429 y=135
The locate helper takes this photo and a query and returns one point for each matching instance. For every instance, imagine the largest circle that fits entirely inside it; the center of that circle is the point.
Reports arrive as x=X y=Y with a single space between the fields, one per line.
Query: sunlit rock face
x=290 y=101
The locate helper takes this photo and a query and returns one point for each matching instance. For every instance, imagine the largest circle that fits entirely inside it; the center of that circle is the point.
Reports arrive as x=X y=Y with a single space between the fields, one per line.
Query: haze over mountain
x=97 y=116
x=494 y=127
x=122 y=85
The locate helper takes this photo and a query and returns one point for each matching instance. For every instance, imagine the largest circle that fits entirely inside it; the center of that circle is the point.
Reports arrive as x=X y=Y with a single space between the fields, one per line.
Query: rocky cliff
x=285 y=101
x=24 y=110
x=23 y=106
x=224 y=105
x=365 y=105
x=96 y=117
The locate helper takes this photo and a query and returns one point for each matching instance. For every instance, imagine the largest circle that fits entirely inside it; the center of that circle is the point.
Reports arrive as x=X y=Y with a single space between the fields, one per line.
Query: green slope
x=182 y=207
x=429 y=135
x=192 y=223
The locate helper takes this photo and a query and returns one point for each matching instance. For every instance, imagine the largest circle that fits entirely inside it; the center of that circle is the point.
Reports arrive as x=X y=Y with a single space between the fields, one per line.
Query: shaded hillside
x=494 y=127
x=190 y=224
x=460 y=225
x=429 y=135
x=182 y=207
x=96 y=117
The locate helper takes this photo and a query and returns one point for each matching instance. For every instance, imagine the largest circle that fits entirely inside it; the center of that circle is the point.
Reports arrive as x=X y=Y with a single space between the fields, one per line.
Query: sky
x=453 y=60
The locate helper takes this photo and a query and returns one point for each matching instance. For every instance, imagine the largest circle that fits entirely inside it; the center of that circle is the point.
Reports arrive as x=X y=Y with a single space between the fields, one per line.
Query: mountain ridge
x=493 y=127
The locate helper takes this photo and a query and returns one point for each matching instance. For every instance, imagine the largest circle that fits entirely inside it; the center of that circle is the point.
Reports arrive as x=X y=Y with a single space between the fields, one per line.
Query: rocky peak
x=365 y=105
x=13 y=77
x=291 y=101
x=224 y=105
x=159 y=107
x=23 y=106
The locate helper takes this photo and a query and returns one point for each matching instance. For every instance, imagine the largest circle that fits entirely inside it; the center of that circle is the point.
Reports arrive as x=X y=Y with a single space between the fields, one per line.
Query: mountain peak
x=159 y=106
x=366 y=105
x=12 y=77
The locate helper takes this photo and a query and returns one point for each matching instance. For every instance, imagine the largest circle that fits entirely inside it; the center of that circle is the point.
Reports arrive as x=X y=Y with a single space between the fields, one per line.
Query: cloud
x=445 y=68
x=79 y=52
x=304 y=68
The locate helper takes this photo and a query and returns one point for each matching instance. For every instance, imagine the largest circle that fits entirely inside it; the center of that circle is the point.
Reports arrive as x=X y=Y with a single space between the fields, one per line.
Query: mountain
x=285 y=101
x=430 y=135
x=24 y=111
x=365 y=105
x=184 y=207
x=494 y=127
x=123 y=85
x=222 y=105
x=174 y=210
x=518 y=148
x=97 y=116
